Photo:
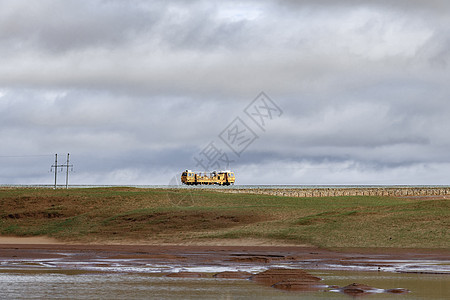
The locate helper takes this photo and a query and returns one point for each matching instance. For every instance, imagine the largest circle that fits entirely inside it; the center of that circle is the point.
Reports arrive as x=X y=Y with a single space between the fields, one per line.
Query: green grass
x=189 y=214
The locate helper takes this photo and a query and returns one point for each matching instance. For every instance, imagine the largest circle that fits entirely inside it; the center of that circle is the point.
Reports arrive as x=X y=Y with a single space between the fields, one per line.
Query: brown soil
x=44 y=207
x=126 y=218
x=209 y=253
x=233 y=275
x=357 y=289
x=243 y=258
x=287 y=279
x=188 y=275
x=252 y=259
x=178 y=221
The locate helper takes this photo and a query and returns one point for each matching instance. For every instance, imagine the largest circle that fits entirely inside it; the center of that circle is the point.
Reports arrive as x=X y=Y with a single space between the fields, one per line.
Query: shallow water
x=72 y=284
x=98 y=275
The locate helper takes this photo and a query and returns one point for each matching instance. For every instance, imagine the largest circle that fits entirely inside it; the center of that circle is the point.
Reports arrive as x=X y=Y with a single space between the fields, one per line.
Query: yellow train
x=221 y=178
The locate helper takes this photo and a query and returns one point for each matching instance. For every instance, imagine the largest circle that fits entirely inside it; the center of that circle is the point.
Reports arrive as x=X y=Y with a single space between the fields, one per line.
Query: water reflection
x=67 y=284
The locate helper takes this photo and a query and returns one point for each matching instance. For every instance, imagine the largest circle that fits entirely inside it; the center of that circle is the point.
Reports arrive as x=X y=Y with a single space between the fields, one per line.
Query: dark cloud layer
x=135 y=90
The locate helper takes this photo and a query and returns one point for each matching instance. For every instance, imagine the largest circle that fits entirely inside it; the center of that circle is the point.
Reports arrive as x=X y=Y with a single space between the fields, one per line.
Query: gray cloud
x=72 y=25
x=138 y=89
x=433 y=5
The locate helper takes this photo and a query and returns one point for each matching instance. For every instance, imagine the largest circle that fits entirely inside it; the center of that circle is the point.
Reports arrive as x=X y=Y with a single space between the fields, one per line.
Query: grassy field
x=178 y=216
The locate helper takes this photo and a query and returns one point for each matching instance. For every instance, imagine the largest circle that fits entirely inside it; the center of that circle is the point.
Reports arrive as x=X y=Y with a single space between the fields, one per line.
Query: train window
x=231 y=174
x=184 y=174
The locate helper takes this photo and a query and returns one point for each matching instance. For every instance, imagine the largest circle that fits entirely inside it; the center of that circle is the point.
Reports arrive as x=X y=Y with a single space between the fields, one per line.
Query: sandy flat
x=36 y=240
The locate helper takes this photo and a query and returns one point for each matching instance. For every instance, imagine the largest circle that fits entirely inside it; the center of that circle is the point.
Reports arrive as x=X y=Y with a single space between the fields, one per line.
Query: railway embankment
x=347 y=191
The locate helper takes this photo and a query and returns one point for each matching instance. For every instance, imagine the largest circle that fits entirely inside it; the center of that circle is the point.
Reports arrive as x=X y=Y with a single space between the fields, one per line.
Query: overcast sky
x=356 y=92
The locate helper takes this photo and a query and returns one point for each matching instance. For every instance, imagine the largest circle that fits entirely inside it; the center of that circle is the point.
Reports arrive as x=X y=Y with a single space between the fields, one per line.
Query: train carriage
x=189 y=177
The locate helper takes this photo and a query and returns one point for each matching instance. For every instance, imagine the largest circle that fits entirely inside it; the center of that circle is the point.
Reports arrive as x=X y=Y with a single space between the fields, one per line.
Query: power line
x=20 y=156
x=56 y=166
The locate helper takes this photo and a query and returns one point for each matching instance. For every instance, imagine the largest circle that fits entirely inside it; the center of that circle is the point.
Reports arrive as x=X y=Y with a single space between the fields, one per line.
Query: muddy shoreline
x=373 y=259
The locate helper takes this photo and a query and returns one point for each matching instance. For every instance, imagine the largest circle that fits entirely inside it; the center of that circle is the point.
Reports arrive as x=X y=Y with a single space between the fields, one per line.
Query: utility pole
x=67 y=171
x=56 y=166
